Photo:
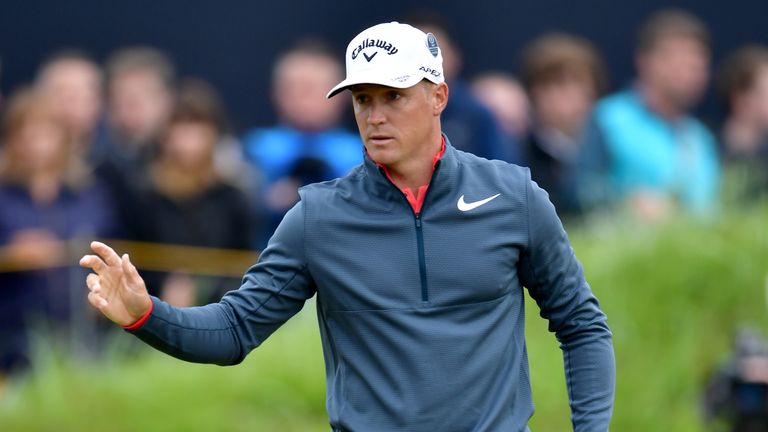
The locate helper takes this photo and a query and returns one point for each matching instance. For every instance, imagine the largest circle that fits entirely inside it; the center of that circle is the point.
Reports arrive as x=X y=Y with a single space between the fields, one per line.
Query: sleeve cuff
x=137 y=325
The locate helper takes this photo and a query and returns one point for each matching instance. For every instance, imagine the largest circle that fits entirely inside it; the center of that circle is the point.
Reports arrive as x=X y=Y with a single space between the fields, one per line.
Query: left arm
x=555 y=279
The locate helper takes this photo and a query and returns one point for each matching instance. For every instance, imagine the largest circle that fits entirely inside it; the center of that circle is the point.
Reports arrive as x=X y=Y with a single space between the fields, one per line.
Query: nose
x=376 y=113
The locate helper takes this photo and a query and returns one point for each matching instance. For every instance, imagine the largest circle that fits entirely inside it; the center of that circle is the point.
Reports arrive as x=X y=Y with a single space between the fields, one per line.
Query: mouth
x=379 y=139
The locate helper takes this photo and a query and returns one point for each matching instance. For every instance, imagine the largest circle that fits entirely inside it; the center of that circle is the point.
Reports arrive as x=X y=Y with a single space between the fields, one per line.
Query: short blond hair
x=667 y=23
x=555 y=56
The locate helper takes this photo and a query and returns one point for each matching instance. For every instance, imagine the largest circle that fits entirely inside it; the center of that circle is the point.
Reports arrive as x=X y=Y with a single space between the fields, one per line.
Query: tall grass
x=674 y=293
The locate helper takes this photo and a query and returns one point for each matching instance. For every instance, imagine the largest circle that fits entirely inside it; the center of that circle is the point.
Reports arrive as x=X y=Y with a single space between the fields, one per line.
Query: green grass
x=279 y=387
x=674 y=293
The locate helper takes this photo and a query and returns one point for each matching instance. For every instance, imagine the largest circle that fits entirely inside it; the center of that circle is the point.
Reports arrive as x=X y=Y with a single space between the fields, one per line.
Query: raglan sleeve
x=272 y=291
x=555 y=279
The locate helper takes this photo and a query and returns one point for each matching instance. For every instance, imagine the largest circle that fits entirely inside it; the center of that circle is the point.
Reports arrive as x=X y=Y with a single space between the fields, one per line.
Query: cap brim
x=404 y=81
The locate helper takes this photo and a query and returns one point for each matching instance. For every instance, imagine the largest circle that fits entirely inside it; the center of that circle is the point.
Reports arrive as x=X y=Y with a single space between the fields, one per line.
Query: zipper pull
x=418 y=220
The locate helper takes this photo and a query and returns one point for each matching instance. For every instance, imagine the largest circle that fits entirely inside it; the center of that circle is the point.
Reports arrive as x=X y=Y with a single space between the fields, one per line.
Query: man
x=418 y=259
x=141 y=88
x=307 y=145
x=564 y=76
x=70 y=83
x=661 y=157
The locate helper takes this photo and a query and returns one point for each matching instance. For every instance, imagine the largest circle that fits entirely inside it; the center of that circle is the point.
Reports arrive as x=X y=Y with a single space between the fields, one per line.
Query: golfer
x=418 y=258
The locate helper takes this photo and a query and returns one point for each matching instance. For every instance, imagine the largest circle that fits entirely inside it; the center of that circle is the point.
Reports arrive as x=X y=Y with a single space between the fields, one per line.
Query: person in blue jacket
x=659 y=158
x=418 y=259
x=308 y=144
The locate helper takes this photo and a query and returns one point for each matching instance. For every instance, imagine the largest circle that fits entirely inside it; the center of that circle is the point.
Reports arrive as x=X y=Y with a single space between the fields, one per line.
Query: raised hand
x=116 y=289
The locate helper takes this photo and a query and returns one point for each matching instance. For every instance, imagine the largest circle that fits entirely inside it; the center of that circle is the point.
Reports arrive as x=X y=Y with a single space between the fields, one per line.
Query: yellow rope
x=193 y=260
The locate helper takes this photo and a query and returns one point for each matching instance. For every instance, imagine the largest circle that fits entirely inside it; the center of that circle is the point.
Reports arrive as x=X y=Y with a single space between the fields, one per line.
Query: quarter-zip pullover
x=421 y=315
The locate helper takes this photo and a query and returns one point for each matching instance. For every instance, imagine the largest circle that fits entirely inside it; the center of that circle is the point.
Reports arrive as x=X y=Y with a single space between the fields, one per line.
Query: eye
x=361 y=98
x=393 y=95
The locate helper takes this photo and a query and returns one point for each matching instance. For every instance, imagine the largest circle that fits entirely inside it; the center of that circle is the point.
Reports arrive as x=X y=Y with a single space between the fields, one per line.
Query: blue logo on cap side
x=432 y=44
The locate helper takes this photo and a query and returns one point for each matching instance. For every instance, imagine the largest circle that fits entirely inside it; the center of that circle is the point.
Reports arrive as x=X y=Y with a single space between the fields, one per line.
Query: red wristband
x=137 y=325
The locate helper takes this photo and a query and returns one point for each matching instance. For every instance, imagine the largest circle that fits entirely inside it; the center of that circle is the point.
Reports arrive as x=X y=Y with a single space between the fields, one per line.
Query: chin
x=382 y=156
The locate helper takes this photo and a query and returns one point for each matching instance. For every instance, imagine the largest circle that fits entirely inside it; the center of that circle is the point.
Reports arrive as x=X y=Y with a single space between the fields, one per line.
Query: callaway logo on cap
x=394 y=55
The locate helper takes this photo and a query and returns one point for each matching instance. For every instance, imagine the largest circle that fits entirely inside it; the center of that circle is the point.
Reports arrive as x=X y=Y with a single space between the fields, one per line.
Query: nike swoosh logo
x=465 y=206
x=371 y=57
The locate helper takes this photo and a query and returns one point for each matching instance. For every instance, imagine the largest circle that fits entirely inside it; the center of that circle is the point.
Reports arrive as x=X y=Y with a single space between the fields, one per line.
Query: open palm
x=116 y=289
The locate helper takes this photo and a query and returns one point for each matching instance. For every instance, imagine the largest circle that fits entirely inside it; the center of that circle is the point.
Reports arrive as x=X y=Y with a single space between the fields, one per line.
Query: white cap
x=393 y=55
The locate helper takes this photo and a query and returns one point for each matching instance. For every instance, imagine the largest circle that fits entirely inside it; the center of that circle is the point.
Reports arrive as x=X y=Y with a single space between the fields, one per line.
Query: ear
x=440 y=98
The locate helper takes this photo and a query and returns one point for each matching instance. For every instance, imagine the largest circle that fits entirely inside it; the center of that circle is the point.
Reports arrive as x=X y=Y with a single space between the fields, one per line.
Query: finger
x=93 y=262
x=106 y=253
x=129 y=270
x=97 y=300
x=92 y=281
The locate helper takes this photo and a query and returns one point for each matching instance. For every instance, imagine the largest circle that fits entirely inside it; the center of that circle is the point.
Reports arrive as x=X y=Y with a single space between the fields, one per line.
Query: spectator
x=505 y=97
x=470 y=125
x=564 y=75
x=71 y=82
x=188 y=201
x=141 y=90
x=46 y=197
x=661 y=157
x=307 y=145
x=744 y=87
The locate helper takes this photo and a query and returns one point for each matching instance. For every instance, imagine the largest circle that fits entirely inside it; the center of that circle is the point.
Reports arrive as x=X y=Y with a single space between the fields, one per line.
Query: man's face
x=564 y=103
x=139 y=104
x=395 y=124
x=190 y=144
x=678 y=68
x=73 y=89
x=301 y=82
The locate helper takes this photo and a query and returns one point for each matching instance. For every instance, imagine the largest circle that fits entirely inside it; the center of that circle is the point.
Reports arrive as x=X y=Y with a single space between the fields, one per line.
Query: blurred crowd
x=128 y=149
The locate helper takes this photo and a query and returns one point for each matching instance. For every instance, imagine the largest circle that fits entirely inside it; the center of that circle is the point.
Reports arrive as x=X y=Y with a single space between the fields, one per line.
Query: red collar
x=417 y=200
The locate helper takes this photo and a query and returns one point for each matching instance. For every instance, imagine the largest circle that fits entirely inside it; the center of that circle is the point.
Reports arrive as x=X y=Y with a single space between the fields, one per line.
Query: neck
x=44 y=186
x=659 y=104
x=177 y=182
x=416 y=171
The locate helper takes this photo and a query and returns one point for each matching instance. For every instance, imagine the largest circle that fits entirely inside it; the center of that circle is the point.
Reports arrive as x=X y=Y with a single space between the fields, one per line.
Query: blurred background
x=180 y=132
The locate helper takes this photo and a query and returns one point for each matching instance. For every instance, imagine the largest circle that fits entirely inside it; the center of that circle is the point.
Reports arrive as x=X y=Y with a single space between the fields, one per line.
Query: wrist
x=143 y=319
